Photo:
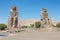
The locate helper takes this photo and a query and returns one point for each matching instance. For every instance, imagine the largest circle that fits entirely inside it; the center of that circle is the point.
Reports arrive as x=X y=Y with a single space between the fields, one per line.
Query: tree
x=37 y=24
x=58 y=25
x=2 y=26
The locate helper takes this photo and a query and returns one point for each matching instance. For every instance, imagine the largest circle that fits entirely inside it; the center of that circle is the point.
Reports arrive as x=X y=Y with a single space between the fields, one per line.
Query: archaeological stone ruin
x=46 y=23
x=13 y=18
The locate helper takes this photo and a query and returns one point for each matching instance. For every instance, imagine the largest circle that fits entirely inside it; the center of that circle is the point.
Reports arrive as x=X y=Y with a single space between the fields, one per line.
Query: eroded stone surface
x=13 y=18
x=45 y=21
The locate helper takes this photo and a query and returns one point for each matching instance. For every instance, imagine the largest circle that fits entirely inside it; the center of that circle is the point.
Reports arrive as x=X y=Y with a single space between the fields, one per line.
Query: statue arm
x=16 y=15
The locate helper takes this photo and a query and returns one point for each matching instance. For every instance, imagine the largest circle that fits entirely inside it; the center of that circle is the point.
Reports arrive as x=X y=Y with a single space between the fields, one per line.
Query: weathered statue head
x=13 y=8
x=44 y=13
x=44 y=10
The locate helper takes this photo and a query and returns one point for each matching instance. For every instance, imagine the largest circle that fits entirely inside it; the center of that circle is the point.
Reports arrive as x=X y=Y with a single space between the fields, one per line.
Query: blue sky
x=28 y=9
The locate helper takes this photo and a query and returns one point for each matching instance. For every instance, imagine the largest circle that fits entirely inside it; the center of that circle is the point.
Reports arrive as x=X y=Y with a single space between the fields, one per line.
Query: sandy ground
x=33 y=35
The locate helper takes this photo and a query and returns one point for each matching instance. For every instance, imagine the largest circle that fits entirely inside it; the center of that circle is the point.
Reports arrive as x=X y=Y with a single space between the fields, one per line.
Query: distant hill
x=27 y=22
x=54 y=23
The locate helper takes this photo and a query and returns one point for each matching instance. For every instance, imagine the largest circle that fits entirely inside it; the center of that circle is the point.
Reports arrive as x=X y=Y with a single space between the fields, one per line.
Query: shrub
x=37 y=24
x=24 y=26
x=2 y=26
x=31 y=25
x=58 y=25
x=53 y=25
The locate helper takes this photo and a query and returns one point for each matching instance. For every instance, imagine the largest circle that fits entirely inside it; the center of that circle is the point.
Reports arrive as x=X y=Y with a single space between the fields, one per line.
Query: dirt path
x=34 y=35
